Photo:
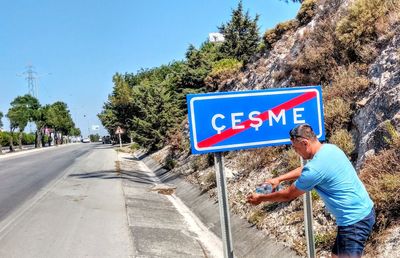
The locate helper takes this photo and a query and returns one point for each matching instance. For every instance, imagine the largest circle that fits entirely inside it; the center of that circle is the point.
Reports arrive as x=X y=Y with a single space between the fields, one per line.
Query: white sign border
x=249 y=94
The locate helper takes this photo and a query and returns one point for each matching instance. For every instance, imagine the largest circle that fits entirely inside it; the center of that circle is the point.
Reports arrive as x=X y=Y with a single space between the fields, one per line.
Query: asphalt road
x=63 y=201
x=23 y=176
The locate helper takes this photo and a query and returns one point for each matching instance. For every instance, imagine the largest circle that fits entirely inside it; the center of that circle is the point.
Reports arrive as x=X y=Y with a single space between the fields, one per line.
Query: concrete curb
x=247 y=241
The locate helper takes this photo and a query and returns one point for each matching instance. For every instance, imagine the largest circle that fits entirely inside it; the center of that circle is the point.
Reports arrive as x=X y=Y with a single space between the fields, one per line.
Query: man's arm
x=291 y=175
x=285 y=195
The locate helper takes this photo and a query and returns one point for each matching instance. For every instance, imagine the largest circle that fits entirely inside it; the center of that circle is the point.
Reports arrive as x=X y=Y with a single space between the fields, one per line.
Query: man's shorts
x=350 y=240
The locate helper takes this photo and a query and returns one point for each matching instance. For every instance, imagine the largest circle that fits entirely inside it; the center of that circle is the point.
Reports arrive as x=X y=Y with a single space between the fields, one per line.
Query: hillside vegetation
x=351 y=48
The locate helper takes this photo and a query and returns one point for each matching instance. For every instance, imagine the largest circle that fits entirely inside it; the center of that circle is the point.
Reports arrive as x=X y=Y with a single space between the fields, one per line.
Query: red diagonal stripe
x=264 y=116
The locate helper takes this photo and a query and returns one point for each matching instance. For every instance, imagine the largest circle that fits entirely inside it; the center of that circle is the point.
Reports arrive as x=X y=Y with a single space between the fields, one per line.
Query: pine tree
x=241 y=35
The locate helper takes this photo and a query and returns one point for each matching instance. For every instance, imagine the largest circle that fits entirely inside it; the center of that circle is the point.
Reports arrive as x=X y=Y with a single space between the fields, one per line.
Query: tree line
x=151 y=105
x=53 y=117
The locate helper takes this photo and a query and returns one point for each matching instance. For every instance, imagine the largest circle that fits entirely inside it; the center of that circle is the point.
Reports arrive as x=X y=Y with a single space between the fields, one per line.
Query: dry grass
x=306 y=12
x=316 y=59
x=201 y=162
x=273 y=35
x=256 y=217
x=256 y=159
x=210 y=179
x=381 y=175
x=290 y=160
x=324 y=241
x=364 y=23
x=343 y=139
x=348 y=83
x=337 y=114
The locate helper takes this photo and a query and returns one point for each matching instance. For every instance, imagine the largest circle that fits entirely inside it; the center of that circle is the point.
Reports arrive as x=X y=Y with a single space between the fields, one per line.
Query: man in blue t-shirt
x=332 y=175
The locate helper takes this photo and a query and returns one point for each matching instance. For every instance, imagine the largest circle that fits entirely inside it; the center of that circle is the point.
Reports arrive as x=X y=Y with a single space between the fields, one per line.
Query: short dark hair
x=302 y=131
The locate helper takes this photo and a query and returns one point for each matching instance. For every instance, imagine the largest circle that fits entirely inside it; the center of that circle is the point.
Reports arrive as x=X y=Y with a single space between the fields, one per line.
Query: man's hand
x=254 y=199
x=273 y=181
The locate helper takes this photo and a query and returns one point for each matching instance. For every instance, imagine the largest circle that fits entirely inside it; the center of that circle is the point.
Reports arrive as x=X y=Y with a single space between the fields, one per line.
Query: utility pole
x=31 y=76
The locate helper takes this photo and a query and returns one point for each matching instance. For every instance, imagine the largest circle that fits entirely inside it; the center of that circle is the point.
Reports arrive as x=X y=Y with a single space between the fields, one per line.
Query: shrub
x=202 y=162
x=381 y=175
x=226 y=65
x=134 y=146
x=315 y=61
x=363 y=23
x=177 y=140
x=271 y=36
x=325 y=240
x=291 y=160
x=221 y=71
x=343 y=139
x=314 y=195
x=250 y=160
x=210 y=179
x=337 y=113
x=394 y=137
x=256 y=217
x=306 y=12
x=170 y=161
x=348 y=83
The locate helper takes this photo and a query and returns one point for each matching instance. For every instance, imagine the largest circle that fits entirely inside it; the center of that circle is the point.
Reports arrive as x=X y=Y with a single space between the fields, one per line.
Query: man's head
x=304 y=141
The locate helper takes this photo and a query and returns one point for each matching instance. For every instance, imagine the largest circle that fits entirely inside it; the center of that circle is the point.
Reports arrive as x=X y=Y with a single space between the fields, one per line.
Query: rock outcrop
x=382 y=101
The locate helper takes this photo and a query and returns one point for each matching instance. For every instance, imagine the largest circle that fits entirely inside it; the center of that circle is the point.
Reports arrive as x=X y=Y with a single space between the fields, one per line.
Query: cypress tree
x=241 y=35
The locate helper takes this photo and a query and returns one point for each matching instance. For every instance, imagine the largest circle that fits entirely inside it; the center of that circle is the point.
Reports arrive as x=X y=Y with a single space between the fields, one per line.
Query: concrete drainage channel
x=247 y=241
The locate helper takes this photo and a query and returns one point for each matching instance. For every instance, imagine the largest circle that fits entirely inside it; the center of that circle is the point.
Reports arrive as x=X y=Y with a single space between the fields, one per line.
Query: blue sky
x=77 y=46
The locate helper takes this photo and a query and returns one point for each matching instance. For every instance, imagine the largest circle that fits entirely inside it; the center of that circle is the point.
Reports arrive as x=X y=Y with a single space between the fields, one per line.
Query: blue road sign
x=226 y=121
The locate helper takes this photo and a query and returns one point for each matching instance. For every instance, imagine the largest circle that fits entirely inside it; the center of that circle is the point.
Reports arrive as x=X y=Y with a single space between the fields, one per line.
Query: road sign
x=119 y=130
x=226 y=121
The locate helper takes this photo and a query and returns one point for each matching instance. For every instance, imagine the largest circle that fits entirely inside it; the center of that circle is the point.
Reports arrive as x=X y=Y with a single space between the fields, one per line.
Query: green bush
x=381 y=176
x=316 y=58
x=222 y=70
x=256 y=217
x=291 y=160
x=229 y=65
x=325 y=240
x=5 y=138
x=306 y=12
x=28 y=138
x=337 y=114
x=343 y=139
x=348 y=83
x=363 y=23
x=273 y=35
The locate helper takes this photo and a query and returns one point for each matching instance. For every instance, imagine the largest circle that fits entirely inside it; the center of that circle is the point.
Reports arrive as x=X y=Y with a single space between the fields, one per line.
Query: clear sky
x=76 y=46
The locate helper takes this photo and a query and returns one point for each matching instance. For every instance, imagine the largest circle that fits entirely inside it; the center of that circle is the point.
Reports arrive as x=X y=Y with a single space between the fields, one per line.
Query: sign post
x=119 y=131
x=308 y=222
x=225 y=121
x=223 y=205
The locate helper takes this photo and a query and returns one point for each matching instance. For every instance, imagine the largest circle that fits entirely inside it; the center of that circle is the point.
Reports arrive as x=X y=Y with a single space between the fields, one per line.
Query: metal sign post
x=223 y=206
x=308 y=221
x=119 y=131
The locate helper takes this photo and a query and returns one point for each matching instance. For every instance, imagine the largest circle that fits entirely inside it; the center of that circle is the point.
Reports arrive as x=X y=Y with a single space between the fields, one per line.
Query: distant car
x=86 y=140
x=106 y=139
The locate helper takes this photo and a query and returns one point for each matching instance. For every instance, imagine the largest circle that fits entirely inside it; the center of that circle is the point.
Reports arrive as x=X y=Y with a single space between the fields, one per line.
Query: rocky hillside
x=352 y=49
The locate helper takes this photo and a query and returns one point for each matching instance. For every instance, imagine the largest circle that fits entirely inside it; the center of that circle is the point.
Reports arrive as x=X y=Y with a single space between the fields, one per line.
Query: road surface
x=53 y=204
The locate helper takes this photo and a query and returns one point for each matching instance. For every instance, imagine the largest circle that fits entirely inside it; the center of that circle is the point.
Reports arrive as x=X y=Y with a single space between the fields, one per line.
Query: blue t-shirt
x=335 y=179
